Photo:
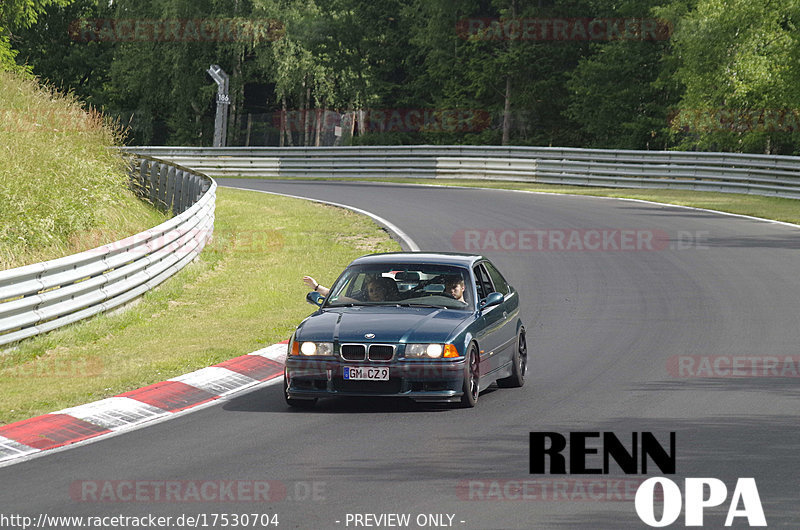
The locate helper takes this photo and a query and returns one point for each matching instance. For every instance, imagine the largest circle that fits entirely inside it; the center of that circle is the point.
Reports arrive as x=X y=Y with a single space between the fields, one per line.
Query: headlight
x=316 y=348
x=432 y=351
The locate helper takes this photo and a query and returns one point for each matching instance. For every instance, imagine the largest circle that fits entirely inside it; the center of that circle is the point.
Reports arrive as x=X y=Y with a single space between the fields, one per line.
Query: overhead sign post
x=221 y=121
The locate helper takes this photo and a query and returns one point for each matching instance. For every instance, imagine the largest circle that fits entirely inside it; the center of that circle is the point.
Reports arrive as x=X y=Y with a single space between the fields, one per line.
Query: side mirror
x=493 y=299
x=314 y=298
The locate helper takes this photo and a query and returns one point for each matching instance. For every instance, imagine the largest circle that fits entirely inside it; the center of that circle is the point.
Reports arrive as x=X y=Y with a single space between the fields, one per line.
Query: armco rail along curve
x=768 y=175
x=43 y=296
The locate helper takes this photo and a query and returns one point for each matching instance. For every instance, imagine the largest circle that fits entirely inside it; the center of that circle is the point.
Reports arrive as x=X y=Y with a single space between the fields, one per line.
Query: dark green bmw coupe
x=427 y=326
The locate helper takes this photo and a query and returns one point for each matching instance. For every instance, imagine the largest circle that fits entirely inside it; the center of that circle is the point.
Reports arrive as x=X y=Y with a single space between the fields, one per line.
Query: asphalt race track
x=660 y=337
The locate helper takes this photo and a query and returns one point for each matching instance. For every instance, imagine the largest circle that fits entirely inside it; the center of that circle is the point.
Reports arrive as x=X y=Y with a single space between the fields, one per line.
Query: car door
x=492 y=321
x=510 y=312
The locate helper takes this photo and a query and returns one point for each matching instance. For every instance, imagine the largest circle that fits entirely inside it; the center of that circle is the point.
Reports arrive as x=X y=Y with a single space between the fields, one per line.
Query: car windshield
x=403 y=284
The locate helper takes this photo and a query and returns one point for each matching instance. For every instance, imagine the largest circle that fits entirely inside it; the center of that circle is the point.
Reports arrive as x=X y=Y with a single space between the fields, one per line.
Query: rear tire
x=295 y=402
x=519 y=365
x=470 y=387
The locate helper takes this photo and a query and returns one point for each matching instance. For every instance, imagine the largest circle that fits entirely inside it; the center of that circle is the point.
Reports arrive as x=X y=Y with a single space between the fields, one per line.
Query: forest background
x=717 y=75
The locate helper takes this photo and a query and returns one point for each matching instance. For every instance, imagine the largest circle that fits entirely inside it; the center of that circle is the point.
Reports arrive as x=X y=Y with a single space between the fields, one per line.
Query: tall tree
x=739 y=64
x=16 y=15
x=56 y=52
x=621 y=92
x=160 y=79
x=478 y=57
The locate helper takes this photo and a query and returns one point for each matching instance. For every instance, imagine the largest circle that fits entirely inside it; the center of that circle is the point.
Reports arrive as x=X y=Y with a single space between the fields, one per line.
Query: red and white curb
x=154 y=402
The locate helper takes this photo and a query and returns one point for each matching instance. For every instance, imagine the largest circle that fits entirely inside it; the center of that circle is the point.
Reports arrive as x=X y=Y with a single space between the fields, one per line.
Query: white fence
x=723 y=172
x=43 y=296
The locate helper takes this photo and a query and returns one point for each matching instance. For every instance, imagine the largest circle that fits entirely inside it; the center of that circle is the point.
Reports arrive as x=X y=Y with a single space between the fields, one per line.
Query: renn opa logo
x=551 y=448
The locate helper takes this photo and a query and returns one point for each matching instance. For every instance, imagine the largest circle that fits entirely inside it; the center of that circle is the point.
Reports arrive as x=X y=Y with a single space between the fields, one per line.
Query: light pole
x=221 y=121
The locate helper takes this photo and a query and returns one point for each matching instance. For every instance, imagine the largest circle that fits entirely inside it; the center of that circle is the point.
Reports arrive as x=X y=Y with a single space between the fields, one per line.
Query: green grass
x=244 y=292
x=62 y=190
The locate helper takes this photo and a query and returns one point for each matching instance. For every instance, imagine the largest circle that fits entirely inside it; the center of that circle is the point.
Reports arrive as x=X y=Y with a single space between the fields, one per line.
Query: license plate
x=363 y=373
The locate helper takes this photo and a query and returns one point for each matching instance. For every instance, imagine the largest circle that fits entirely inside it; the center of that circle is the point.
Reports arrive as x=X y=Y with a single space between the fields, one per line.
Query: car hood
x=388 y=323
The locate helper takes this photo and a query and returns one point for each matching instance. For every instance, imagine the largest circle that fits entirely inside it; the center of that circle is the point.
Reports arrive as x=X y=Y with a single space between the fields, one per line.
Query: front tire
x=294 y=402
x=519 y=365
x=470 y=387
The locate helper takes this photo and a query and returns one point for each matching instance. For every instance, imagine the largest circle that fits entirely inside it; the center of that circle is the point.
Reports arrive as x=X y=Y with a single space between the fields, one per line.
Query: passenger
x=378 y=289
x=311 y=282
x=382 y=289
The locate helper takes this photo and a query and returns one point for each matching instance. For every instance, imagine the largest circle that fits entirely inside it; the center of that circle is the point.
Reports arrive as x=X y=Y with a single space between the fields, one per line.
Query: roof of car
x=440 y=258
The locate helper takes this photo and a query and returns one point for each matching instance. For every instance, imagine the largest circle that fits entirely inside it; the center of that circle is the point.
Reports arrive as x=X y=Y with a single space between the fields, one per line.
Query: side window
x=356 y=285
x=482 y=282
x=479 y=283
x=500 y=284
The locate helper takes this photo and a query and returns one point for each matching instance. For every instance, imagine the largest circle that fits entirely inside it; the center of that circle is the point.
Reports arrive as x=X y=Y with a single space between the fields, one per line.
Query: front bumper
x=418 y=380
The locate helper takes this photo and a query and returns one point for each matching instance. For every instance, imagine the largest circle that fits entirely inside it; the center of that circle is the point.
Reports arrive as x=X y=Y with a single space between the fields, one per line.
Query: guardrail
x=723 y=172
x=44 y=296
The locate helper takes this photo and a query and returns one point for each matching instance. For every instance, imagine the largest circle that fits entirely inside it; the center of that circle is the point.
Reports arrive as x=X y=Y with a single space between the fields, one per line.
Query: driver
x=454 y=286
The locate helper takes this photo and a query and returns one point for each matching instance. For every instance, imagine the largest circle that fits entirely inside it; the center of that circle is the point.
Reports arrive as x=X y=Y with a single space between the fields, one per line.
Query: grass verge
x=244 y=292
x=62 y=190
